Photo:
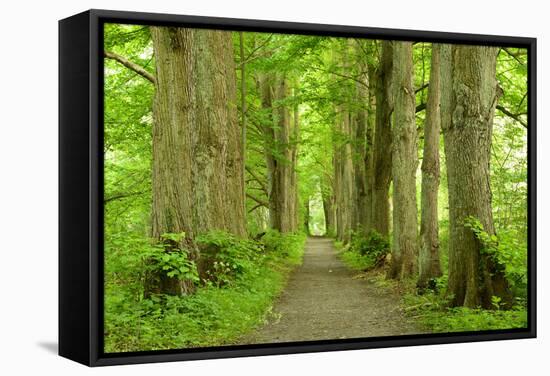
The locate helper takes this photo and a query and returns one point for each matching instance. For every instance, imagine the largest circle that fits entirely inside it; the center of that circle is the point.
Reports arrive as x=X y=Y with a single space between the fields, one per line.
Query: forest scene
x=264 y=188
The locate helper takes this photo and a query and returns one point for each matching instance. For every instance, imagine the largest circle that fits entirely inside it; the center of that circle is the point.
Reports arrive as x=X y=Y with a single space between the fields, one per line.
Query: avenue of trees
x=220 y=145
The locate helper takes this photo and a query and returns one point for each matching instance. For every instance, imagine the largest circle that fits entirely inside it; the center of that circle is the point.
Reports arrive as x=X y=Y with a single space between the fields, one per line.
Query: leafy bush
x=171 y=258
x=288 y=246
x=374 y=244
x=433 y=312
x=255 y=274
x=366 y=251
x=226 y=257
x=507 y=251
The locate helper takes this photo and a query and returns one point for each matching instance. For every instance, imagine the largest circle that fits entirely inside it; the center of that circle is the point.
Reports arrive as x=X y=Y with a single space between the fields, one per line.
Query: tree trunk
x=345 y=192
x=337 y=189
x=343 y=176
x=197 y=169
x=294 y=142
x=382 y=158
x=328 y=210
x=470 y=94
x=266 y=82
x=306 y=217
x=243 y=112
x=283 y=165
x=280 y=154
x=362 y=202
x=369 y=145
x=404 y=164
x=428 y=260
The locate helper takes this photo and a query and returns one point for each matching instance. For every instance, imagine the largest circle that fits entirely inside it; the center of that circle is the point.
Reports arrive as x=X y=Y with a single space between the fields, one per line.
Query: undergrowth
x=431 y=308
x=365 y=251
x=249 y=275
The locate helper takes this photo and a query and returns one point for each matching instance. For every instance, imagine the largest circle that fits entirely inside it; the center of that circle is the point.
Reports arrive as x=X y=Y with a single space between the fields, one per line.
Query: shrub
x=224 y=257
x=366 y=251
x=248 y=276
x=288 y=246
x=507 y=251
x=433 y=312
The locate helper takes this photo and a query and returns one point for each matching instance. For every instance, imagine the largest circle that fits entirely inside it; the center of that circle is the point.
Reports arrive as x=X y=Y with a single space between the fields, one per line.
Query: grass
x=212 y=316
x=356 y=261
x=431 y=309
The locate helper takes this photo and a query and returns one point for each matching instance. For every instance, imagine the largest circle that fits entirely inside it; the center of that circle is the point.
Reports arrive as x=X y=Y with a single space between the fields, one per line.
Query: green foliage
x=506 y=251
x=174 y=264
x=288 y=246
x=227 y=257
x=213 y=316
x=373 y=244
x=366 y=251
x=433 y=312
x=239 y=278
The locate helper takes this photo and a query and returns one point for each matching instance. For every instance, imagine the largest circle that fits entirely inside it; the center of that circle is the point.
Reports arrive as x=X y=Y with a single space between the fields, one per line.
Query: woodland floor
x=326 y=300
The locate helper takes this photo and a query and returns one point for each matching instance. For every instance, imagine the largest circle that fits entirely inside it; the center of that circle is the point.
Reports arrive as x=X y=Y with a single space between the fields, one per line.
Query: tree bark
x=470 y=94
x=428 y=261
x=404 y=164
x=382 y=158
x=369 y=145
x=362 y=202
x=266 y=82
x=343 y=176
x=280 y=153
x=294 y=143
x=328 y=210
x=244 y=110
x=284 y=196
x=344 y=180
x=197 y=169
x=306 y=217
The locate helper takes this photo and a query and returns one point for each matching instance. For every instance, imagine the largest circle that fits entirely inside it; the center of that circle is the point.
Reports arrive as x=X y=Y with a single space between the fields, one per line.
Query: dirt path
x=323 y=301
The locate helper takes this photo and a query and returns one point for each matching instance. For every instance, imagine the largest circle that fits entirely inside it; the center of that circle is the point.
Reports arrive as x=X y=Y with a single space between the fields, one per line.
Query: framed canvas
x=234 y=187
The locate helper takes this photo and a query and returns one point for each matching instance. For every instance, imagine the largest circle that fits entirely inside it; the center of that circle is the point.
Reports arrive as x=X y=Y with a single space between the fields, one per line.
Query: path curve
x=323 y=301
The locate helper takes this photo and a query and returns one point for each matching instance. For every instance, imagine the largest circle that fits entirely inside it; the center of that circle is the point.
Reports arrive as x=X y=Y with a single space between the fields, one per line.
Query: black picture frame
x=81 y=187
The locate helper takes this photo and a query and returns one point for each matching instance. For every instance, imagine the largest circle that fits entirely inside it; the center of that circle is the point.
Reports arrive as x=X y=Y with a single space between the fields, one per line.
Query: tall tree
x=197 y=168
x=244 y=109
x=428 y=261
x=369 y=140
x=382 y=158
x=293 y=146
x=362 y=204
x=404 y=164
x=470 y=93
x=328 y=207
x=280 y=152
x=344 y=152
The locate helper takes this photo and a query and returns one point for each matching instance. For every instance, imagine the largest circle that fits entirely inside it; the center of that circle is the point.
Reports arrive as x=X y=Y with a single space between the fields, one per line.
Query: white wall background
x=28 y=199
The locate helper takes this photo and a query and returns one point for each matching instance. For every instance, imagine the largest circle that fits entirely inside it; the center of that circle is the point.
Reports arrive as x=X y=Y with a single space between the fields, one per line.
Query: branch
x=258 y=200
x=255 y=207
x=262 y=184
x=422 y=87
x=130 y=65
x=342 y=75
x=420 y=107
x=122 y=195
x=516 y=117
x=265 y=42
x=514 y=55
